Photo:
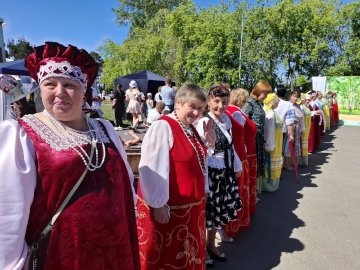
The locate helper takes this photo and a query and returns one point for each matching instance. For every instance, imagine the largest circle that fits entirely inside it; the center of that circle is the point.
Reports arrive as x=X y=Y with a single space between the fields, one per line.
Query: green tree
x=139 y=12
x=19 y=49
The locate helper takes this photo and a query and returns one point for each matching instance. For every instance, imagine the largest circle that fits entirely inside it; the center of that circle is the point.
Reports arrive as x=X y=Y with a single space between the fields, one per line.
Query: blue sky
x=83 y=23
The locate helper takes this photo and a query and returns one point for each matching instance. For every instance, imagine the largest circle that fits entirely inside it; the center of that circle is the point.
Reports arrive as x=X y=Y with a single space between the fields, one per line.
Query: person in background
x=315 y=126
x=335 y=110
x=155 y=113
x=224 y=166
x=96 y=102
x=285 y=110
x=304 y=101
x=118 y=105
x=253 y=109
x=168 y=95
x=173 y=186
x=321 y=106
x=134 y=97
x=149 y=103
x=158 y=97
x=54 y=151
x=273 y=144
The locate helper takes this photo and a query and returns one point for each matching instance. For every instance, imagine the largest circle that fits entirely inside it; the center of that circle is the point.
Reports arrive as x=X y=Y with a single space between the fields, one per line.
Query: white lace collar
x=57 y=142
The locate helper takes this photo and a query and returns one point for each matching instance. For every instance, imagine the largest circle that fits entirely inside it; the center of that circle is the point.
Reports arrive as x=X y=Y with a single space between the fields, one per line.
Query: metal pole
x=2 y=59
x=241 y=44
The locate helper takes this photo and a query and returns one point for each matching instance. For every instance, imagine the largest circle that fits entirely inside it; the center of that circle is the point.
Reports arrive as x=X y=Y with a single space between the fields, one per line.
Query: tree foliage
x=19 y=49
x=288 y=42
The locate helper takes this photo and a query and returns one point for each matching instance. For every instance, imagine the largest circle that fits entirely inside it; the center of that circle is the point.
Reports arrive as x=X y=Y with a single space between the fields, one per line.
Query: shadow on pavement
x=260 y=247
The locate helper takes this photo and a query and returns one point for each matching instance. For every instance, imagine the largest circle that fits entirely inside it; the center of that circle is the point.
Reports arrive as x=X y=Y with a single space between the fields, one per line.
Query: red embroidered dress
x=179 y=244
x=250 y=142
x=315 y=129
x=243 y=220
x=97 y=229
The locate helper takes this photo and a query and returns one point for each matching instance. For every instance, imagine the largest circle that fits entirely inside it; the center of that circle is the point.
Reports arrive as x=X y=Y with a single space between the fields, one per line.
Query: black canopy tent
x=147 y=81
x=16 y=67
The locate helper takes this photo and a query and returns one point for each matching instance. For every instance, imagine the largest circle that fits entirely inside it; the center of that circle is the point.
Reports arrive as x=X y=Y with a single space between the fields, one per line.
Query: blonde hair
x=238 y=97
x=189 y=91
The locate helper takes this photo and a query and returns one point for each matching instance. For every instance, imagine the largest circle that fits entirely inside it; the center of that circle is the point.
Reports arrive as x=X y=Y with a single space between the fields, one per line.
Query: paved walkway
x=308 y=224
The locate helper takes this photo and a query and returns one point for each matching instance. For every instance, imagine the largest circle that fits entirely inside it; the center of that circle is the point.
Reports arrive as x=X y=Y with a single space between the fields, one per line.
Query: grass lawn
x=347 y=111
x=108 y=112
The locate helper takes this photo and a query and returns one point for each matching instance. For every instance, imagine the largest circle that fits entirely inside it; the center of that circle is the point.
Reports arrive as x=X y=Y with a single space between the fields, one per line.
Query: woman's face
x=189 y=111
x=263 y=95
x=217 y=105
x=293 y=98
x=62 y=98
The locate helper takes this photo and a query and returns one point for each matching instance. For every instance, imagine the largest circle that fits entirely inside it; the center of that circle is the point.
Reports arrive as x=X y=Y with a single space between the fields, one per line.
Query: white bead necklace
x=86 y=137
x=200 y=158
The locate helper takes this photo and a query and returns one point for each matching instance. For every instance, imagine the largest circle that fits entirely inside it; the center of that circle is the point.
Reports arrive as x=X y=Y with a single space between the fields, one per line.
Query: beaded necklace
x=86 y=137
x=200 y=157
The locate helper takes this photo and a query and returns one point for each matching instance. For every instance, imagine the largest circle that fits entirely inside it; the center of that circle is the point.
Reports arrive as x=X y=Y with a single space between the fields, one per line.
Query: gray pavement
x=308 y=224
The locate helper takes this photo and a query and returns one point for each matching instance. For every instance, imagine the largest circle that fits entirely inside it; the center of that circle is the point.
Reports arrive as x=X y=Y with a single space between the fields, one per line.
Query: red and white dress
x=238 y=131
x=96 y=230
x=315 y=128
x=171 y=172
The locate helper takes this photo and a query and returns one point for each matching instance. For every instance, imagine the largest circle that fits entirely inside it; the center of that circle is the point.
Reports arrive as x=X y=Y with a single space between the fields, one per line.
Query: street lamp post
x=2 y=43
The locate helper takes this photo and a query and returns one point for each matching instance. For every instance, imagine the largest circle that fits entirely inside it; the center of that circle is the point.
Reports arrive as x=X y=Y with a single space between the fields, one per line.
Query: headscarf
x=270 y=100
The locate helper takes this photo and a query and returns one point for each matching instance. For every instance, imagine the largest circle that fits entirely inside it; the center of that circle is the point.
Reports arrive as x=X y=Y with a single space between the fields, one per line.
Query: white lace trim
x=57 y=142
x=63 y=69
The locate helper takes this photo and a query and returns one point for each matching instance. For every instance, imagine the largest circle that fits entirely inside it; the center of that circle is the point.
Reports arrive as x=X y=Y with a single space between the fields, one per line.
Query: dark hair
x=281 y=91
x=293 y=92
x=219 y=90
x=168 y=80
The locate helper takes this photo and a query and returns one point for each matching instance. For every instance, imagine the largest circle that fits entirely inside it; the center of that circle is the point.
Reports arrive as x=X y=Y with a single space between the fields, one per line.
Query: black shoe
x=220 y=258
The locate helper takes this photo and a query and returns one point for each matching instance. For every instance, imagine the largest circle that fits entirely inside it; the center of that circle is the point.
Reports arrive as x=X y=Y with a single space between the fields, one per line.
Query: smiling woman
x=63 y=158
x=172 y=187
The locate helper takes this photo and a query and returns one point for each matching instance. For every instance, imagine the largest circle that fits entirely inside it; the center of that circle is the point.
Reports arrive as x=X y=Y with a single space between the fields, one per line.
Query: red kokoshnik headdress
x=56 y=60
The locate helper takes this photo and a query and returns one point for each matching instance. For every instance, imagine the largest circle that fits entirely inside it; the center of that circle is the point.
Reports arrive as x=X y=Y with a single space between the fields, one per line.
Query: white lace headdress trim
x=62 y=69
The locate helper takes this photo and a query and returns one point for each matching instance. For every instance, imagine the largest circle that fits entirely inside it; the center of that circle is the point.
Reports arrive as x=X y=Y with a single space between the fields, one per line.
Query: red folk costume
x=179 y=244
x=315 y=128
x=243 y=221
x=334 y=111
x=250 y=142
x=96 y=229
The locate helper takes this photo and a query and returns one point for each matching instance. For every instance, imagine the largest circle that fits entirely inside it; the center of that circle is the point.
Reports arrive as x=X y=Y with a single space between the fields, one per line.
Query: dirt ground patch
x=349 y=117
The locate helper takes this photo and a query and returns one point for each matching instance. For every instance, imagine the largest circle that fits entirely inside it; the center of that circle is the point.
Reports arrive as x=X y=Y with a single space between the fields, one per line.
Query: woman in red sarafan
x=238 y=131
x=172 y=187
x=97 y=229
x=315 y=126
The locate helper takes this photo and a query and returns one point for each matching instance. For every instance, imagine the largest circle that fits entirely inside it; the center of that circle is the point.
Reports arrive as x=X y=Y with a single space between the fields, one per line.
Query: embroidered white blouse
x=154 y=163
x=17 y=186
x=217 y=160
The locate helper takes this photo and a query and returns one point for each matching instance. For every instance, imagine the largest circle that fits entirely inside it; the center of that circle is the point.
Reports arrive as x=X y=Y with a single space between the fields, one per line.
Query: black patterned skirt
x=224 y=198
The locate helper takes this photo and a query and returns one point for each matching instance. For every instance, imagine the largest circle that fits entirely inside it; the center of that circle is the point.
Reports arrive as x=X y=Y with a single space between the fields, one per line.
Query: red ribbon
x=292 y=151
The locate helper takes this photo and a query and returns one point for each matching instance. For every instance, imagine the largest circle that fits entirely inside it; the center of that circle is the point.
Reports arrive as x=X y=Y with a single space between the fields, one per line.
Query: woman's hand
x=209 y=133
x=162 y=214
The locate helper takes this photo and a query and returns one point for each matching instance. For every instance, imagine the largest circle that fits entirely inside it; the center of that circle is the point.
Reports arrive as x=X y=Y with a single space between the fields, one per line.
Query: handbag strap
x=50 y=225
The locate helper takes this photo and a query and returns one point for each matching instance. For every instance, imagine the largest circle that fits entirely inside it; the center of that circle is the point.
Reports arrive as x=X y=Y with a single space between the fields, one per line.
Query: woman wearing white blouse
x=172 y=187
x=224 y=168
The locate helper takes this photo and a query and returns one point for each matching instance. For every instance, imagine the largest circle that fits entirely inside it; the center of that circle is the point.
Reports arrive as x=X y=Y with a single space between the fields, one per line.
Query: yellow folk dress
x=273 y=159
x=305 y=136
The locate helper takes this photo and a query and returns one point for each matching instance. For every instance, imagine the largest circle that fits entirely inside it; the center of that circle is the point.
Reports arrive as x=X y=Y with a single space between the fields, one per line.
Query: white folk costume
x=224 y=198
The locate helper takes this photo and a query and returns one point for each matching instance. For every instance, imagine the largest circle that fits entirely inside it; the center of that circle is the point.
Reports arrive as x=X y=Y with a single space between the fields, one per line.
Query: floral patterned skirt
x=224 y=198
x=179 y=244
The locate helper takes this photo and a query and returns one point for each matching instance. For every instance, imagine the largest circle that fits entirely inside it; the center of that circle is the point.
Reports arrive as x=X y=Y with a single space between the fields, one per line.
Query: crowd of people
x=67 y=197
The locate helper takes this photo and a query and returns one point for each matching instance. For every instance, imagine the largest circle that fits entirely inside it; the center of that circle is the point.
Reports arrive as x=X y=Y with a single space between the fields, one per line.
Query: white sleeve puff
x=269 y=129
x=17 y=186
x=154 y=164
